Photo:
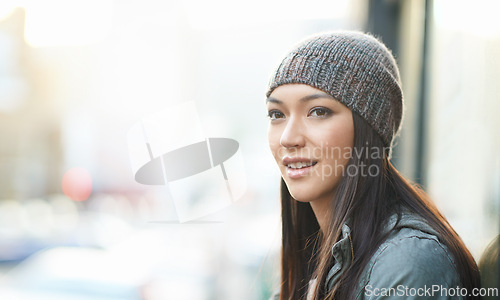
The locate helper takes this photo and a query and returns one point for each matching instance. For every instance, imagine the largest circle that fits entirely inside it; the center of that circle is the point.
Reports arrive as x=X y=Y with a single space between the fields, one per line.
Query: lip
x=298 y=173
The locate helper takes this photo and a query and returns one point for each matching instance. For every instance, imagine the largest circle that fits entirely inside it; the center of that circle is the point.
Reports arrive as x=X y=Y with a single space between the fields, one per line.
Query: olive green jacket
x=410 y=264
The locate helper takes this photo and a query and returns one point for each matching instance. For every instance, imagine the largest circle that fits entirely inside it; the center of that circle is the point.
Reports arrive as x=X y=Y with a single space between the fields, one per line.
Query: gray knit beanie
x=353 y=67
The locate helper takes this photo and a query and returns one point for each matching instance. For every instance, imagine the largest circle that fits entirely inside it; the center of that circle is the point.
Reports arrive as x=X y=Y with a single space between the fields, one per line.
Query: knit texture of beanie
x=353 y=67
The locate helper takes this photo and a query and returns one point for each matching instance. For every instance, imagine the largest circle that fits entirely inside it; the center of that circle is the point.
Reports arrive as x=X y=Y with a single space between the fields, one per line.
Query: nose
x=293 y=135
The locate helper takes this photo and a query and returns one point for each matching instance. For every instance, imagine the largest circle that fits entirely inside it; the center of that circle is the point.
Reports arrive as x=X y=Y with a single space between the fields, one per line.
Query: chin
x=310 y=191
x=303 y=200
x=301 y=195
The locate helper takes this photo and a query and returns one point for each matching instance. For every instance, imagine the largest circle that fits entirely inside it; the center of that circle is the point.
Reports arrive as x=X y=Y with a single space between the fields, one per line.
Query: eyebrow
x=303 y=99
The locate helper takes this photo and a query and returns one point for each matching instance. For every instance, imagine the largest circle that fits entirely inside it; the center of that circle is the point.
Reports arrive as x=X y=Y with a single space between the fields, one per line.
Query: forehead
x=294 y=89
x=300 y=92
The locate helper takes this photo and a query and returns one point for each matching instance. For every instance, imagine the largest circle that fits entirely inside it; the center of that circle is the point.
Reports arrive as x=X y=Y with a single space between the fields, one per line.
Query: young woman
x=353 y=227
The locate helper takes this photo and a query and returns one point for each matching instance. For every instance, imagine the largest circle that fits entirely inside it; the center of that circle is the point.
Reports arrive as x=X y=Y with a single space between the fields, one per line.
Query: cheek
x=273 y=138
x=341 y=144
x=342 y=133
x=336 y=143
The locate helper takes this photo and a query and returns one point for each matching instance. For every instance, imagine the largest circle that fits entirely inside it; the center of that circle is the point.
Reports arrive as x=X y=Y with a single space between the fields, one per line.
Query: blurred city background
x=76 y=75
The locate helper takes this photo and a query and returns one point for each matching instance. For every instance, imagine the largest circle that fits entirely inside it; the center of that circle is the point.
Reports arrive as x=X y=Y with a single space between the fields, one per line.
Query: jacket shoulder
x=409 y=261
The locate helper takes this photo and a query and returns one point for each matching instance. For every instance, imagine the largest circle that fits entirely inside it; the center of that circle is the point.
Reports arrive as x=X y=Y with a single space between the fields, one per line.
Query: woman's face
x=311 y=136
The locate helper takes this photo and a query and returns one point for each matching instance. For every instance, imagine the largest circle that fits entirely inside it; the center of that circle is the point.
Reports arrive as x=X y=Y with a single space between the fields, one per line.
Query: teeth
x=299 y=165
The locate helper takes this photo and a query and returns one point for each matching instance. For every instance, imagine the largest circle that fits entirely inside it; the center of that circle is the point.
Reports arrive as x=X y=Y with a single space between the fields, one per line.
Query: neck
x=320 y=208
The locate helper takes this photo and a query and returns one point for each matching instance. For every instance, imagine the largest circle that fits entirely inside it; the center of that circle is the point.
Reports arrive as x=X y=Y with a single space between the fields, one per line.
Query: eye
x=320 y=112
x=275 y=114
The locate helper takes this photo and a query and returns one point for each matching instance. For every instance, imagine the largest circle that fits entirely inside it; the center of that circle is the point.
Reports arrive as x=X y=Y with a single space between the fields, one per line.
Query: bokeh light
x=77 y=184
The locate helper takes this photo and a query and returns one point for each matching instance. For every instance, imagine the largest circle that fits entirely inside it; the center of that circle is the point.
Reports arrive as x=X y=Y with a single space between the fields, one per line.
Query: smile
x=300 y=165
x=297 y=167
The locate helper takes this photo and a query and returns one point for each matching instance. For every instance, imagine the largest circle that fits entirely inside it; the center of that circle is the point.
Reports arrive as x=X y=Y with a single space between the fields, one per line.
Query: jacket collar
x=343 y=253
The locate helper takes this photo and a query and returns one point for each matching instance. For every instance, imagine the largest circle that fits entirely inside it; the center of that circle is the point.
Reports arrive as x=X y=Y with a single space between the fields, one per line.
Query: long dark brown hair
x=367 y=202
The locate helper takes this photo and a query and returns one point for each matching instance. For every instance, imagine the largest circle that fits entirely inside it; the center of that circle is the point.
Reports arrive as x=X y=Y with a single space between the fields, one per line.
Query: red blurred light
x=77 y=184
